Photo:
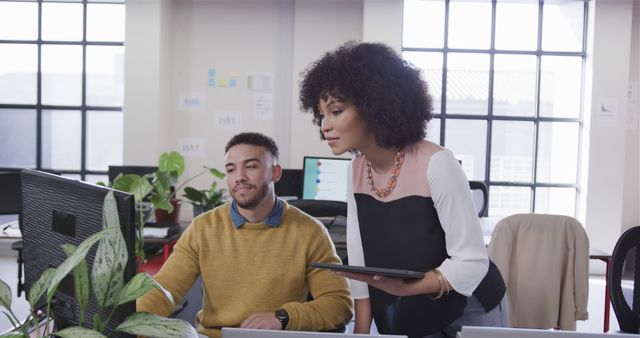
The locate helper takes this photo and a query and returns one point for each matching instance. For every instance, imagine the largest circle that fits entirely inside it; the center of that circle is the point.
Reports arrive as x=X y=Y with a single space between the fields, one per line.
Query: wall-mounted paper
x=607 y=112
x=191 y=101
x=191 y=147
x=259 y=81
x=262 y=106
x=228 y=120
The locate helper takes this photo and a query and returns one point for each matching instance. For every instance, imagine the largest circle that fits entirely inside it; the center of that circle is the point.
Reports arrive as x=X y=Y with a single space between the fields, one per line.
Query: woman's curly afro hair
x=386 y=90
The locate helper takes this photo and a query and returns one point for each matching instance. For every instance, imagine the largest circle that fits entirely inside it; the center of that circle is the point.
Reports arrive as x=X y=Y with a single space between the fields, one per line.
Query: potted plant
x=164 y=180
x=106 y=283
x=206 y=199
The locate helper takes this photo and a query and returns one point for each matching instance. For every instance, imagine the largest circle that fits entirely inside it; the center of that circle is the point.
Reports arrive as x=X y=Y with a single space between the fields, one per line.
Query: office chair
x=624 y=280
x=480 y=194
x=544 y=260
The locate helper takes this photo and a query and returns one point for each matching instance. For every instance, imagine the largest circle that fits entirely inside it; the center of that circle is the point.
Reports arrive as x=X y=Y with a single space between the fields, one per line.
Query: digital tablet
x=369 y=270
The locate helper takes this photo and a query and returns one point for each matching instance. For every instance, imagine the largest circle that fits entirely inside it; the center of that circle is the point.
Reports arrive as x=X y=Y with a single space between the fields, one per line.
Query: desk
x=153 y=264
x=489 y=223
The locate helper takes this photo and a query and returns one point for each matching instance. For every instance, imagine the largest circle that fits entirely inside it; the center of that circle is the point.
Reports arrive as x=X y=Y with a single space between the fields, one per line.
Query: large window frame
x=83 y=173
x=490 y=118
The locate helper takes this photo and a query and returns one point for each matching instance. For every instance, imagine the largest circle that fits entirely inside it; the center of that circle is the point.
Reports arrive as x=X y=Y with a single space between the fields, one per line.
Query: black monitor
x=325 y=178
x=290 y=183
x=115 y=170
x=9 y=193
x=58 y=210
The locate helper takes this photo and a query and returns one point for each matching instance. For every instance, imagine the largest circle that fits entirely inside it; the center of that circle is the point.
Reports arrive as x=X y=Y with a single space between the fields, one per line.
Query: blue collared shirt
x=274 y=219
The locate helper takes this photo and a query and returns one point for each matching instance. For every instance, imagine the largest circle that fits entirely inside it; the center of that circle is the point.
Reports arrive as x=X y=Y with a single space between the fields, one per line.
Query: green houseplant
x=206 y=199
x=106 y=283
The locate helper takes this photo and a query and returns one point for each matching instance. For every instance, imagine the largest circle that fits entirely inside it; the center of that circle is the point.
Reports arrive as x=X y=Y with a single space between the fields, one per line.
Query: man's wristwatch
x=283 y=317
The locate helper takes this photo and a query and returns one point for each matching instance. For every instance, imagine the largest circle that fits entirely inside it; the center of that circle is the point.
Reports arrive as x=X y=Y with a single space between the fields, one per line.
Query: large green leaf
x=111 y=257
x=73 y=260
x=81 y=280
x=217 y=173
x=13 y=335
x=39 y=287
x=138 y=286
x=171 y=161
x=150 y=325
x=77 y=331
x=137 y=185
x=194 y=195
x=5 y=295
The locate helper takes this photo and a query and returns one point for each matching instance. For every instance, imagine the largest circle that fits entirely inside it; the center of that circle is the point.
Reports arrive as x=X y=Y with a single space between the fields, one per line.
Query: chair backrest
x=544 y=260
x=480 y=194
x=624 y=279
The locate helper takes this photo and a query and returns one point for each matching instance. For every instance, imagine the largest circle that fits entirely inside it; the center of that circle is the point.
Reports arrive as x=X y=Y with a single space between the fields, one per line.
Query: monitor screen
x=290 y=184
x=9 y=193
x=58 y=210
x=325 y=178
x=115 y=170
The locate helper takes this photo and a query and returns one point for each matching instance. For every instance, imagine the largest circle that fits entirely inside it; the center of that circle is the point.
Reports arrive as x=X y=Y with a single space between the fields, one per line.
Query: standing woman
x=409 y=205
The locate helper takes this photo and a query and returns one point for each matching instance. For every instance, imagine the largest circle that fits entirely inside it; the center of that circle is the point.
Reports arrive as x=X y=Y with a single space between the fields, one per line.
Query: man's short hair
x=255 y=139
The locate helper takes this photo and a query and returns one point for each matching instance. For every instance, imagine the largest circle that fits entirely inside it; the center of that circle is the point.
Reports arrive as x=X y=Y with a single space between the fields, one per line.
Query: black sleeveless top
x=406 y=234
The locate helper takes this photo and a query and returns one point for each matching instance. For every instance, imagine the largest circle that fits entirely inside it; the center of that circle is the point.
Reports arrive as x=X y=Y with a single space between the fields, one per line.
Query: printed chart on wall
x=325 y=178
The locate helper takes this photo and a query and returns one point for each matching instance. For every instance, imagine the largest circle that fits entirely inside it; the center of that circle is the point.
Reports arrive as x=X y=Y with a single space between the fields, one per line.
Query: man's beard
x=252 y=203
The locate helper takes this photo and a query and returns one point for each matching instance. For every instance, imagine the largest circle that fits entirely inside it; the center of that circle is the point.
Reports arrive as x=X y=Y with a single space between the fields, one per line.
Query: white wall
x=171 y=45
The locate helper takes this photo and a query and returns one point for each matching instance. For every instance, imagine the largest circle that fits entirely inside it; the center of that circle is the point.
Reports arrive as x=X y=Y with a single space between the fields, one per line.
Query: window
x=62 y=86
x=506 y=79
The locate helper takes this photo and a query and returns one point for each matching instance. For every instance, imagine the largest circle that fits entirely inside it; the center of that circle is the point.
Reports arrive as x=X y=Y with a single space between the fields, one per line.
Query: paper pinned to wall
x=228 y=120
x=191 y=147
x=259 y=81
x=262 y=106
x=191 y=101
x=607 y=112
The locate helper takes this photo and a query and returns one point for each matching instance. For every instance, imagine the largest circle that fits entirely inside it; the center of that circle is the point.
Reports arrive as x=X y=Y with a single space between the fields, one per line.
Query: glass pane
x=433 y=131
x=467 y=139
x=96 y=178
x=506 y=201
x=71 y=176
x=18 y=21
x=517 y=25
x=105 y=75
x=514 y=85
x=470 y=24
x=557 y=201
x=512 y=151
x=557 y=152
x=17 y=138
x=467 y=84
x=423 y=24
x=104 y=139
x=431 y=66
x=62 y=22
x=61 y=75
x=105 y=22
x=560 y=86
x=562 y=24
x=61 y=139
x=18 y=73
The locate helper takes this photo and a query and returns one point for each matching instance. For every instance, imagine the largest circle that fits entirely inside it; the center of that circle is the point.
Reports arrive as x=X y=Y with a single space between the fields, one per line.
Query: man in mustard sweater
x=253 y=255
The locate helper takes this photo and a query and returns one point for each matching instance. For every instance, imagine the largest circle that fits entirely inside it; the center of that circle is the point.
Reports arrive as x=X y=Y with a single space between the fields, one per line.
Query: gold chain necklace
x=391 y=184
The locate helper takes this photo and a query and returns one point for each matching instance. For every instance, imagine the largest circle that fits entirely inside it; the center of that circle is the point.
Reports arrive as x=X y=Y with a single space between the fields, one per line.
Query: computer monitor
x=290 y=184
x=230 y=332
x=325 y=178
x=115 y=170
x=10 y=193
x=58 y=210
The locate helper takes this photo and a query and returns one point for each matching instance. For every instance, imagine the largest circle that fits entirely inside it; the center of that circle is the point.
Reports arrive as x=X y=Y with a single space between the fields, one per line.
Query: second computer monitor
x=325 y=178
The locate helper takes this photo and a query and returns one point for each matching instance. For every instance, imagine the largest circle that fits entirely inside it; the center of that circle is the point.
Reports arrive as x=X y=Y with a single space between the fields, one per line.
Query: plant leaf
x=12 y=335
x=217 y=173
x=171 y=161
x=137 y=287
x=39 y=287
x=78 y=331
x=147 y=324
x=137 y=185
x=5 y=295
x=73 y=260
x=111 y=257
x=81 y=281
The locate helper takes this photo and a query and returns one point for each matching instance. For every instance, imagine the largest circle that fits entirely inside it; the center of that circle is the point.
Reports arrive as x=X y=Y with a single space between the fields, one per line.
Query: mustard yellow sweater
x=256 y=268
